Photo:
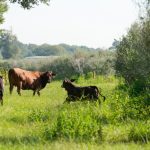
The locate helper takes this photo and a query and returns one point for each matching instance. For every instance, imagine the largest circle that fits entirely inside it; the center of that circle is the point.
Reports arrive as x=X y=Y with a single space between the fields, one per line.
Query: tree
x=3 y=9
x=114 y=45
x=29 y=3
x=8 y=45
x=47 y=50
x=133 y=53
x=133 y=56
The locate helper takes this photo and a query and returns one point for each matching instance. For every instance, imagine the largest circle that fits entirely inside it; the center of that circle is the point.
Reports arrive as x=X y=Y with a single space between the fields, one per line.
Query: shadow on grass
x=17 y=120
x=19 y=140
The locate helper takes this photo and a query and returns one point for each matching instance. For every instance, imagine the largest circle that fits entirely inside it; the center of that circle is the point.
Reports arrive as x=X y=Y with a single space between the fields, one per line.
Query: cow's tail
x=10 y=78
x=10 y=72
x=101 y=94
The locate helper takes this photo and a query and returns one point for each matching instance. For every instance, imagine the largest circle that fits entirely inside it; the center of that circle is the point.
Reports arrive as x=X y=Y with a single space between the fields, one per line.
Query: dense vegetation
x=100 y=63
x=63 y=59
x=133 y=56
x=45 y=122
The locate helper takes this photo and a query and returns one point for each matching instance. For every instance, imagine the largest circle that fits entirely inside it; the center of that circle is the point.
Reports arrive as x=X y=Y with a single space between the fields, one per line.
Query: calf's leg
x=67 y=100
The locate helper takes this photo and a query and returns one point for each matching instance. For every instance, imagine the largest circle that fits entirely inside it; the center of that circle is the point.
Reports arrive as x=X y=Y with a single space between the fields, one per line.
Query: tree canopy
x=3 y=9
x=29 y=3
x=8 y=45
x=133 y=56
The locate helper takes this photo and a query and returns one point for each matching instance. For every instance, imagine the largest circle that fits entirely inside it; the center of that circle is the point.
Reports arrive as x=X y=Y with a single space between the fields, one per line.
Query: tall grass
x=44 y=122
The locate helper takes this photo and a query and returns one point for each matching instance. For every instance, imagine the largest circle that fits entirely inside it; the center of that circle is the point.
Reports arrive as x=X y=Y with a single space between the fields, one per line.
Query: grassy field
x=44 y=122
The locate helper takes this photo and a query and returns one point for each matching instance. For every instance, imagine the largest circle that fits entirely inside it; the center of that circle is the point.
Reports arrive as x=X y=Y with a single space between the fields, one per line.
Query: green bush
x=39 y=115
x=80 y=124
x=89 y=75
x=123 y=107
x=140 y=132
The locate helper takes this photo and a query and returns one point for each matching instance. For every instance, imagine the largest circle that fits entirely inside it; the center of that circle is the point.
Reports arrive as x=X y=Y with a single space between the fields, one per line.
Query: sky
x=92 y=23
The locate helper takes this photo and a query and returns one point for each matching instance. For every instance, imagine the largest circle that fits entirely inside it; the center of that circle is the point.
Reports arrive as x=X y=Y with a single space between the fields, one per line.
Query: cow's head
x=66 y=83
x=48 y=76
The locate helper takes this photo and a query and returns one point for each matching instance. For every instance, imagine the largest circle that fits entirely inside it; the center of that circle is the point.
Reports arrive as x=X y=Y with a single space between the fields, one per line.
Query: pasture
x=44 y=122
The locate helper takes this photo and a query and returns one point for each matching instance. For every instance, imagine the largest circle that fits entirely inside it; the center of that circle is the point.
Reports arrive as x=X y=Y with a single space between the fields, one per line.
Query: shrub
x=79 y=124
x=39 y=115
x=123 y=107
x=140 y=132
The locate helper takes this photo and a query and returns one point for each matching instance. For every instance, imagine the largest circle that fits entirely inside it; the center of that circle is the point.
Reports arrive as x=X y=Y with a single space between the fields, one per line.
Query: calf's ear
x=72 y=80
x=53 y=74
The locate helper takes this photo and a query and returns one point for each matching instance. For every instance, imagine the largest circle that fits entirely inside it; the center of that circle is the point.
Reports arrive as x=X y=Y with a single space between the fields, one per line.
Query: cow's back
x=16 y=75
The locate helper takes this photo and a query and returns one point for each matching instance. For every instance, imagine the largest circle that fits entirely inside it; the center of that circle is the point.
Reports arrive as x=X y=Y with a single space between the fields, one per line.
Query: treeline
x=65 y=60
x=11 y=48
x=99 y=62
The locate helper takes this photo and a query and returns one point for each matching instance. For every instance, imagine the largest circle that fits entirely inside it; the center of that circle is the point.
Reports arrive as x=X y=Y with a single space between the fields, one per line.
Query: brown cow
x=28 y=80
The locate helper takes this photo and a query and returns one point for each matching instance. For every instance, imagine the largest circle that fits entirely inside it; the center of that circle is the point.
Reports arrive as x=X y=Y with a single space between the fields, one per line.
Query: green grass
x=44 y=122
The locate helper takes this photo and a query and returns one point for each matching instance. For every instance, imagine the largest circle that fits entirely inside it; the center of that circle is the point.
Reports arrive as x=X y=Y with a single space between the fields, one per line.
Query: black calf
x=80 y=93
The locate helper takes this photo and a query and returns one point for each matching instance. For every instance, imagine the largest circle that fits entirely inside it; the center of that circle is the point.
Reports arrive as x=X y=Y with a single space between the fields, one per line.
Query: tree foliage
x=29 y=3
x=8 y=46
x=46 y=50
x=133 y=56
x=3 y=9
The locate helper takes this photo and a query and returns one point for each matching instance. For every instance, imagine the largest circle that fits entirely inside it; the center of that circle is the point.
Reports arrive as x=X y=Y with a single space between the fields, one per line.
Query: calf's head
x=67 y=83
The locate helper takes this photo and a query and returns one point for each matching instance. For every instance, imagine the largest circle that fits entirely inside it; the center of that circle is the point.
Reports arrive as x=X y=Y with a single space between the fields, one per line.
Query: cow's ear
x=72 y=80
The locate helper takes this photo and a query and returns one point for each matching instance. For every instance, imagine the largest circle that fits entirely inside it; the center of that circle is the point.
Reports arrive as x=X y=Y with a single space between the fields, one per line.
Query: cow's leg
x=2 y=101
x=34 y=92
x=11 y=88
x=38 y=92
x=18 y=91
x=19 y=87
x=1 y=97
